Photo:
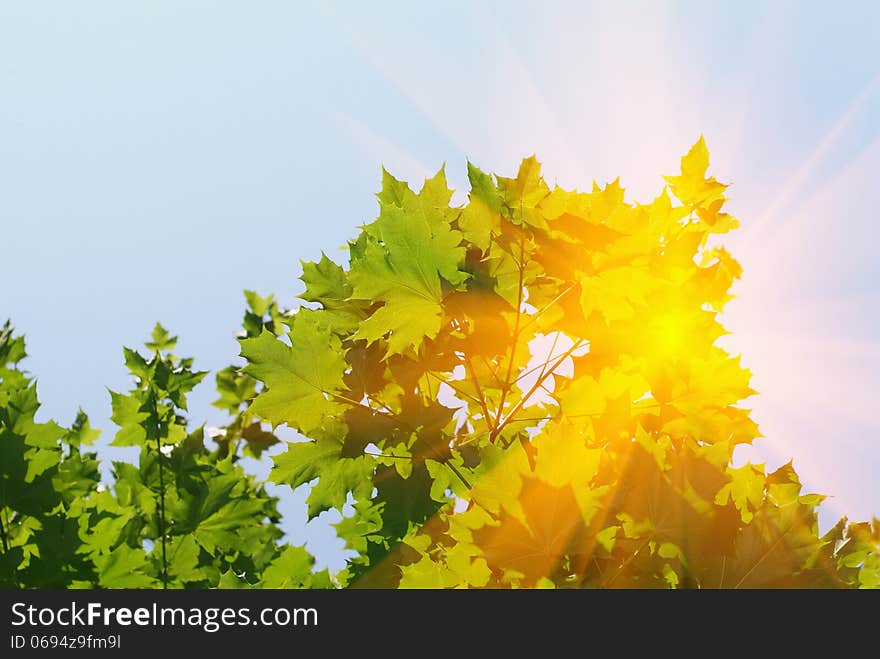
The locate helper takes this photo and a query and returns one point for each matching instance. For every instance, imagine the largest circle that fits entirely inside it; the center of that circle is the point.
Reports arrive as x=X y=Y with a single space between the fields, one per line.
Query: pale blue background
x=157 y=158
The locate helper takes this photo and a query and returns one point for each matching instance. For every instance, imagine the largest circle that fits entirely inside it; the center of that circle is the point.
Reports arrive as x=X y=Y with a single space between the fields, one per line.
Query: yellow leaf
x=582 y=398
x=692 y=187
x=745 y=489
x=616 y=292
x=563 y=458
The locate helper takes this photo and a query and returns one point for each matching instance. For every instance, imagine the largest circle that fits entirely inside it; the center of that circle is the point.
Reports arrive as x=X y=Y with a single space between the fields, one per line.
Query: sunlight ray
x=376 y=148
x=743 y=99
x=804 y=437
x=768 y=219
x=505 y=98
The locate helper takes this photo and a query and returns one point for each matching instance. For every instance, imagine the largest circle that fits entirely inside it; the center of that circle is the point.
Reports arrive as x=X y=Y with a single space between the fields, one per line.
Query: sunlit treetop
x=526 y=390
x=522 y=391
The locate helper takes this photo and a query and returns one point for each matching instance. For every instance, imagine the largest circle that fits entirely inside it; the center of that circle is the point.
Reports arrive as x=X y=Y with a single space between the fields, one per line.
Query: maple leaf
x=322 y=459
x=535 y=546
x=691 y=186
x=412 y=250
x=481 y=218
x=124 y=567
x=301 y=378
x=291 y=569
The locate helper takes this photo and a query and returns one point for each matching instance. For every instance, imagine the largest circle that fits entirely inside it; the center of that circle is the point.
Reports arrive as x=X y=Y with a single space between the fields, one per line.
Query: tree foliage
x=184 y=516
x=527 y=391
x=521 y=391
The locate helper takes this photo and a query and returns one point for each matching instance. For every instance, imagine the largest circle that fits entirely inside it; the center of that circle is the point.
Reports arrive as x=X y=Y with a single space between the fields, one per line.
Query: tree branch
x=454 y=387
x=519 y=294
x=3 y=530
x=533 y=389
x=162 y=520
x=482 y=399
x=533 y=318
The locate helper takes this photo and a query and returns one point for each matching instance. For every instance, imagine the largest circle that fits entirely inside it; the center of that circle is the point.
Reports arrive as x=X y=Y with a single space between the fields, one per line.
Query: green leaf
x=394 y=191
x=12 y=348
x=229 y=580
x=325 y=281
x=435 y=194
x=161 y=339
x=124 y=567
x=415 y=250
x=483 y=189
x=301 y=379
x=523 y=193
x=81 y=432
x=129 y=415
x=220 y=529
x=184 y=562
x=39 y=461
x=305 y=461
x=234 y=389
x=258 y=304
x=291 y=569
x=336 y=481
x=77 y=477
x=136 y=363
x=258 y=440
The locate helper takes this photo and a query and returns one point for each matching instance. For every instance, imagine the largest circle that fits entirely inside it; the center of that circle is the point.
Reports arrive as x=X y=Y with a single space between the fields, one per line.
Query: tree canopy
x=525 y=390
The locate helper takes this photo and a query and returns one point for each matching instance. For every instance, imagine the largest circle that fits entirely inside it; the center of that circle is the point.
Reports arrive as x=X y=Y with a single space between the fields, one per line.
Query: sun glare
x=595 y=126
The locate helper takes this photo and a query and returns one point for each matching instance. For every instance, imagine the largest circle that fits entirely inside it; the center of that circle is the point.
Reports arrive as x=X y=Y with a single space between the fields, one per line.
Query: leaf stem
x=507 y=384
x=3 y=529
x=454 y=387
x=540 y=381
x=459 y=474
x=534 y=317
x=547 y=361
x=409 y=457
x=482 y=398
x=162 y=520
x=626 y=563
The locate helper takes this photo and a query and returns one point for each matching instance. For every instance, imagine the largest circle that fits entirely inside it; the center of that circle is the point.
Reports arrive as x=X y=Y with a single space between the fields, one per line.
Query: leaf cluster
x=184 y=516
x=524 y=390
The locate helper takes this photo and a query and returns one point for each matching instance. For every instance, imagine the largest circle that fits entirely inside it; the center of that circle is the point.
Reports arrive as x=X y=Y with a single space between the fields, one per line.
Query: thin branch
x=762 y=557
x=382 y=406
x=550 y=352
x=519 y=294
x=533 y=389
x=455 y=388
x=461 y=477
x=541 y=366
x=545 y=373
x=547 y=417
x=409 y=457
x=3 y=529
x=627 y=562
x=482 y=399
x=493 y=368
x=411 y=429
x=533 y=318
x=162 y=520
x=390 y=457
x=475 y=438
x=351 y=401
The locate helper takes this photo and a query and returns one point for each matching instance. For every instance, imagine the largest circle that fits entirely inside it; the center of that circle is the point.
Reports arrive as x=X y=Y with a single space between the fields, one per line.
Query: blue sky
x=158 y=158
